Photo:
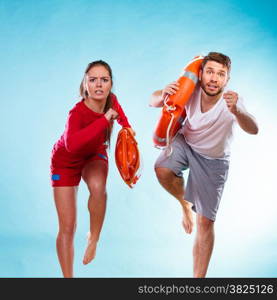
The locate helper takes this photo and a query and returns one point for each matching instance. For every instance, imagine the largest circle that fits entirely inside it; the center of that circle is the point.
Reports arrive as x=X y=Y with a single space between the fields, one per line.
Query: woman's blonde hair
x=84 y=92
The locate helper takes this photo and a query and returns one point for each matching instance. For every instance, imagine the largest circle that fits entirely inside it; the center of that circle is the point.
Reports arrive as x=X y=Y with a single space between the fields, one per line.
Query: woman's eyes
x=102 y=79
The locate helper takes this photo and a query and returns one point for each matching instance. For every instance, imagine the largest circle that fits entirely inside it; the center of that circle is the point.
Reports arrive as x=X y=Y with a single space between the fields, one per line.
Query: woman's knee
x=68 y=229
x=97 y=188
x=95 y=176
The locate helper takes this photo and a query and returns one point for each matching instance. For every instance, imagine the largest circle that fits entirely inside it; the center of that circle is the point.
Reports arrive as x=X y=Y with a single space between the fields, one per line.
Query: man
x=203 y=146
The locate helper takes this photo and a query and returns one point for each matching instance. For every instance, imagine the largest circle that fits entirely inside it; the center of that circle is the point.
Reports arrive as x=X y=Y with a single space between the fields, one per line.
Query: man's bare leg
x=175 y=186
x=203 y=246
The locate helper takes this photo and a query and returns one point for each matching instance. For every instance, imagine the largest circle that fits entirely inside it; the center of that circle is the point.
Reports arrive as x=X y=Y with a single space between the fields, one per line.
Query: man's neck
x=207 y=102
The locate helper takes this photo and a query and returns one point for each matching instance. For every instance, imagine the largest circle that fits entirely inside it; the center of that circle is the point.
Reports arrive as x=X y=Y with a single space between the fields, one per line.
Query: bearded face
x=213 y=78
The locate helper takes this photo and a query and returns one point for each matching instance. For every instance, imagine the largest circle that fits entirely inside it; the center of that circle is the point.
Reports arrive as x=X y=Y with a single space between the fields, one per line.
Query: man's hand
x=170 y=89
x=231 y=99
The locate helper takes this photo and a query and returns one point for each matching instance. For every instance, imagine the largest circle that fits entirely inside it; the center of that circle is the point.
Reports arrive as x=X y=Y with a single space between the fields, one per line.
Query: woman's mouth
x=99 y=92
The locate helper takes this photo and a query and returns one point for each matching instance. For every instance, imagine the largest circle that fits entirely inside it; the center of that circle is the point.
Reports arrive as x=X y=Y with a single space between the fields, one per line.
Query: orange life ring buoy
x=173 y=112
x=127 y=157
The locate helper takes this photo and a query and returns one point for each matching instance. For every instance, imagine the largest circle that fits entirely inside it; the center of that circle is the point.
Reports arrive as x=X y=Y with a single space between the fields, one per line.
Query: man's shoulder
x=195 y=95
x=196 y=92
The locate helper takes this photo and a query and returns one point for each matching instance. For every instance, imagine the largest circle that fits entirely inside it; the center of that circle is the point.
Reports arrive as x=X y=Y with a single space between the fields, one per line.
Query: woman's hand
x=132 y=131
x=111 y=114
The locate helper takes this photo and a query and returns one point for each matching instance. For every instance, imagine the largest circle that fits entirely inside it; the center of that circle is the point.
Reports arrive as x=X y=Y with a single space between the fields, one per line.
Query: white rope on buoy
x=169 y=108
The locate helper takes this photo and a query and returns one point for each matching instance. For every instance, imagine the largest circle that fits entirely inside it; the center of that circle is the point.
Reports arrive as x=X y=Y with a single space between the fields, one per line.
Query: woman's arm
x=122 y=119
x=76 y=137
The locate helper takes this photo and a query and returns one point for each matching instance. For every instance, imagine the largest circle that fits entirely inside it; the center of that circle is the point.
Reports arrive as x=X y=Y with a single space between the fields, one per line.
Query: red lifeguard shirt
x=84 y=135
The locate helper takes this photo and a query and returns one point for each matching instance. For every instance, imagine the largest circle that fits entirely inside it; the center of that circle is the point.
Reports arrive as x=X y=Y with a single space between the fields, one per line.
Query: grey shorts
x=206 y=177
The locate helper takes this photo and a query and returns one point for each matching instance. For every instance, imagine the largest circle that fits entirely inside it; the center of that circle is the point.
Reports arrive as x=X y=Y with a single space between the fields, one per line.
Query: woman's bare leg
x=95 y=175
x=65 y=200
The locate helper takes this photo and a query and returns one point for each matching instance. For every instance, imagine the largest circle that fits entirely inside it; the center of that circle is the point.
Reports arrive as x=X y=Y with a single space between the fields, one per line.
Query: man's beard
x=209 y=94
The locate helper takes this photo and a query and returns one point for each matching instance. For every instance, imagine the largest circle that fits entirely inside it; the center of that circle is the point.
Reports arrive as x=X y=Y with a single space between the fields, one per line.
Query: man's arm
x=157 y=98
x=246 y=121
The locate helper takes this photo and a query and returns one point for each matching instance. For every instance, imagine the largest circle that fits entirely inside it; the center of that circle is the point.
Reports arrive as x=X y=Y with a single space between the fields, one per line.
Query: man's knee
x=164 y=173
x=204 y=224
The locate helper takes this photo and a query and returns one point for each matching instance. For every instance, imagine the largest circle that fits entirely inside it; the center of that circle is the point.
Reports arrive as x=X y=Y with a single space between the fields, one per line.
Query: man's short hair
x=218 y=57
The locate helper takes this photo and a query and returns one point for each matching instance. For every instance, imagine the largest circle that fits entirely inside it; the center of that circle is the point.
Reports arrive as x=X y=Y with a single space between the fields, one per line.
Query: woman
x=81 y=153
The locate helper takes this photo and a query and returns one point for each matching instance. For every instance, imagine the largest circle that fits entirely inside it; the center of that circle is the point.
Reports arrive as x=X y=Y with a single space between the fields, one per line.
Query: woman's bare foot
x=90 y=251
x=187 y=221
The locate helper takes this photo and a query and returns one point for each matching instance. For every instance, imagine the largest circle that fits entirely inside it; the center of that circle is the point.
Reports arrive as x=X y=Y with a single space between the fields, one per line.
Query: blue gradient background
x=45 y=47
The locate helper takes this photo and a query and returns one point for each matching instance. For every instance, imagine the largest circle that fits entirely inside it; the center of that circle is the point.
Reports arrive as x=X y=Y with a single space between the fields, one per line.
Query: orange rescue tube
x=127 y=157
x=173 y=112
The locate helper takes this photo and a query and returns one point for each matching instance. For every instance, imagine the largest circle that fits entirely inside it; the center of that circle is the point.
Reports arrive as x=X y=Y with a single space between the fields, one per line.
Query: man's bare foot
x=90 y=251
x=187 y=221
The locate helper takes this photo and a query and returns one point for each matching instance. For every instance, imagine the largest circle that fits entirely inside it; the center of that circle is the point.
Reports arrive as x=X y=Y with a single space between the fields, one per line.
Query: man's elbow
x=254 y=130
x=156 y=99
x=154 y=102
